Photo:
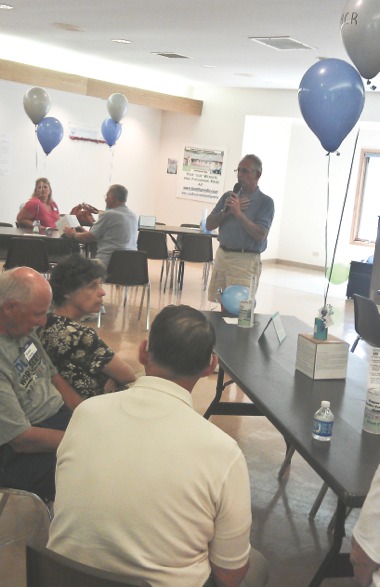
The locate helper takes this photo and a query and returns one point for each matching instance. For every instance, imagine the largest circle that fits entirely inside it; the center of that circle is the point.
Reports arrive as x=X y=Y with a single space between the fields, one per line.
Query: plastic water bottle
x=36 y=226
x=323 y=423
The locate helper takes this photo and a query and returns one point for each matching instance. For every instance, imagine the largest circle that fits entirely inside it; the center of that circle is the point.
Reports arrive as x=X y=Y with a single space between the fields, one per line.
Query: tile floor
x=293 y=544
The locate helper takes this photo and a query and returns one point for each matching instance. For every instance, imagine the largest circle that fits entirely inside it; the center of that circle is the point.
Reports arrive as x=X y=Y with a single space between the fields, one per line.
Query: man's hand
x=71 y=398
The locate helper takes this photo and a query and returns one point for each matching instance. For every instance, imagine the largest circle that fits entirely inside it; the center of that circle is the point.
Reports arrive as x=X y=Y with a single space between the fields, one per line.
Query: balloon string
x=326 y=225
x=111 y=165
x=341 y=215
x=35 y=140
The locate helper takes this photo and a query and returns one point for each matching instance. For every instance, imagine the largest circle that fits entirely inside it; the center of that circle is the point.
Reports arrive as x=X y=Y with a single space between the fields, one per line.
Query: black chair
x=6 y=224
x=27 y=252
x=155 y=245
x=60 y=248
x=180 y=237
x=196 y=248
x=45 y=568
x=130 y=268
x=367 y=321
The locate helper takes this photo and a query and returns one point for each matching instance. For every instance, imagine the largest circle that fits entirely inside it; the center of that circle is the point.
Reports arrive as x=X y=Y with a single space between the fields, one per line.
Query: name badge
x=30 y=351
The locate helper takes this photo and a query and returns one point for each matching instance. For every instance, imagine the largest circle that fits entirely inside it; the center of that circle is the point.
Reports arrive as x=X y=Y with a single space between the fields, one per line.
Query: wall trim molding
x=76 y=84
x=293 y=264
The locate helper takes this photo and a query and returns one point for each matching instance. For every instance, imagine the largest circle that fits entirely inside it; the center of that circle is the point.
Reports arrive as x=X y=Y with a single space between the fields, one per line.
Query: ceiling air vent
x=169 y=55
x=280 y=43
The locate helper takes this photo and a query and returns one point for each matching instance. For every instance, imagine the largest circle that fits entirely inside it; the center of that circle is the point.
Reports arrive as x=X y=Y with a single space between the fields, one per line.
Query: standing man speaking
x=244 y=218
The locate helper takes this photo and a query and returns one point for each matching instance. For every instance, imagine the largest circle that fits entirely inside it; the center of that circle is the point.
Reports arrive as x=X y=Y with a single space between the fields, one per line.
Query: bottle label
x=322 y=428
x=245 y=318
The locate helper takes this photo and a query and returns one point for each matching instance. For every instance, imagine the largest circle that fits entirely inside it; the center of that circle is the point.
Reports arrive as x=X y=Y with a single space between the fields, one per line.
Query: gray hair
x=16 y=285
x=255 y=162
x=119 y=191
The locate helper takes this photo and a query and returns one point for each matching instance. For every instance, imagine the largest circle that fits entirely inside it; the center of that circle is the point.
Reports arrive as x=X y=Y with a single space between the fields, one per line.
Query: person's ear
x=143 y=352
x=212 y=366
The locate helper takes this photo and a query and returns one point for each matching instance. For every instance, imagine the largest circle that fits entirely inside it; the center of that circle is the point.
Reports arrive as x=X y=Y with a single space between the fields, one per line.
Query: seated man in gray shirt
x=115 y=230
x=35 y=401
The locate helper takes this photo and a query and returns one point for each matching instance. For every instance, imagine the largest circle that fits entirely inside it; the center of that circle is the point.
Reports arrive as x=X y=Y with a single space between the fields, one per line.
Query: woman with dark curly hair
x=80 y=356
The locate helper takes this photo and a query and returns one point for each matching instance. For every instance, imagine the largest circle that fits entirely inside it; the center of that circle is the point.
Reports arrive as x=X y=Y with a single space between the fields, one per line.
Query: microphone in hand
x=235 y=190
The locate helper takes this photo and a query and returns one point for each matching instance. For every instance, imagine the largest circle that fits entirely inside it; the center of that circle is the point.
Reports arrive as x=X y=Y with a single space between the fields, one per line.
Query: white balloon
x=360 y=30
x=117 y=105
x=36 y=104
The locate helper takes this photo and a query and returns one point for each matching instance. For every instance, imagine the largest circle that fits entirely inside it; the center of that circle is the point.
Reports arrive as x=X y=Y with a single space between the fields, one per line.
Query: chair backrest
x=45 y=568
x=128 y=268
x=181 y=237
x=367 y=320
x=153 y=243
x=60 y=248
x=27 y=252
x=196 y=248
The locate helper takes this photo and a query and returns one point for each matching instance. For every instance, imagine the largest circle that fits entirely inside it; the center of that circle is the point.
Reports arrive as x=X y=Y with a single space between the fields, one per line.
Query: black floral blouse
x=77 y=352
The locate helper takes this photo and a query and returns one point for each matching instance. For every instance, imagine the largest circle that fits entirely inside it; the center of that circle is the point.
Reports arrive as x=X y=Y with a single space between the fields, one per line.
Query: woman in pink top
x=41 y=206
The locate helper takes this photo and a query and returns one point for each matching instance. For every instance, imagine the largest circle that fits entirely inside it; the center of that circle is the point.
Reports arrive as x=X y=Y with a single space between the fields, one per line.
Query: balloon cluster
x=49 y=130
x=331 y=93
x=117 y=106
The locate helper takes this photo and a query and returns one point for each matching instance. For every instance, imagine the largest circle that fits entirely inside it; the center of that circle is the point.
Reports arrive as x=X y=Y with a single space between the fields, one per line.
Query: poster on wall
x=201 y=173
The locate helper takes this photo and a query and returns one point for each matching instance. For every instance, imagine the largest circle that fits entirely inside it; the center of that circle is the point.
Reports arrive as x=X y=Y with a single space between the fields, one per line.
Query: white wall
x=295 y=167
x=267 y=122
x=78 y=171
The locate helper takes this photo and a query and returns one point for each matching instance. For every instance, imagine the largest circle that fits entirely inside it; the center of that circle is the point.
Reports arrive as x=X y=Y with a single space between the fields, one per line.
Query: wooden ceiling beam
x=76 y=84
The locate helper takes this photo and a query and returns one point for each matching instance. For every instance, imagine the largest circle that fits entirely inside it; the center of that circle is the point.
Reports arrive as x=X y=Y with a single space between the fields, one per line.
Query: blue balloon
x=331 y=98
x=111 y=131
x=49 y=133
x=232 y=296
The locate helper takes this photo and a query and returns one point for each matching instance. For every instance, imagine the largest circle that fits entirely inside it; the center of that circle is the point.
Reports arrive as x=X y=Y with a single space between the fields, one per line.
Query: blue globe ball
x=232 y=296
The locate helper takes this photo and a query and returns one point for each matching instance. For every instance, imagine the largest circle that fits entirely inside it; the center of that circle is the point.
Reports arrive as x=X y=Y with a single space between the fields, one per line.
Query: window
x=367 y=199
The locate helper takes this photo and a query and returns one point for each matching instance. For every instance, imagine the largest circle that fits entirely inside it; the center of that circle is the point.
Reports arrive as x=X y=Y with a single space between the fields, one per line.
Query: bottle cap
x=325 y=404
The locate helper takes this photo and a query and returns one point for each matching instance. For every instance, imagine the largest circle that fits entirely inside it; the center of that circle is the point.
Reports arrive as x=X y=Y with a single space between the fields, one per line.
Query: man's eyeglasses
x=243 y=170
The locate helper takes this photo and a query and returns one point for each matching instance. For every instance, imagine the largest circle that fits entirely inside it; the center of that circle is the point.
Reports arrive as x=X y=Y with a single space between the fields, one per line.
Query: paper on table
x=230 y=320
x=69 y=220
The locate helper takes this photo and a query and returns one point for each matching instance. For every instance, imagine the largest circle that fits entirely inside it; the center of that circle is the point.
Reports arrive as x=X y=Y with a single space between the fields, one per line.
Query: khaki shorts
x=232 y=269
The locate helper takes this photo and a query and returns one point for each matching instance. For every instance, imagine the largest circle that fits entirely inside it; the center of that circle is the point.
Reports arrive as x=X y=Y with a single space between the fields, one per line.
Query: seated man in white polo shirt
x=146 y=486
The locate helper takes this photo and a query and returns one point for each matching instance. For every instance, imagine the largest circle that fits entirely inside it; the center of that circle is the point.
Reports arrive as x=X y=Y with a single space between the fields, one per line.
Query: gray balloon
x=360 y=30
x=117 y=105
x=36 y=104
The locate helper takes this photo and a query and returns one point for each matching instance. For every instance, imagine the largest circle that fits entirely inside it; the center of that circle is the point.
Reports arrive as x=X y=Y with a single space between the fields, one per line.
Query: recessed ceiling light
x=208 y=66
x=69 y=27
x=6 y=7
x=123 y=41
x=245 y=74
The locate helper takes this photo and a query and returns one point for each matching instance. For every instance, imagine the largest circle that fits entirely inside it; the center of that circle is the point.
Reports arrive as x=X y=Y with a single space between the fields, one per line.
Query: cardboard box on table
x=322 y=359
